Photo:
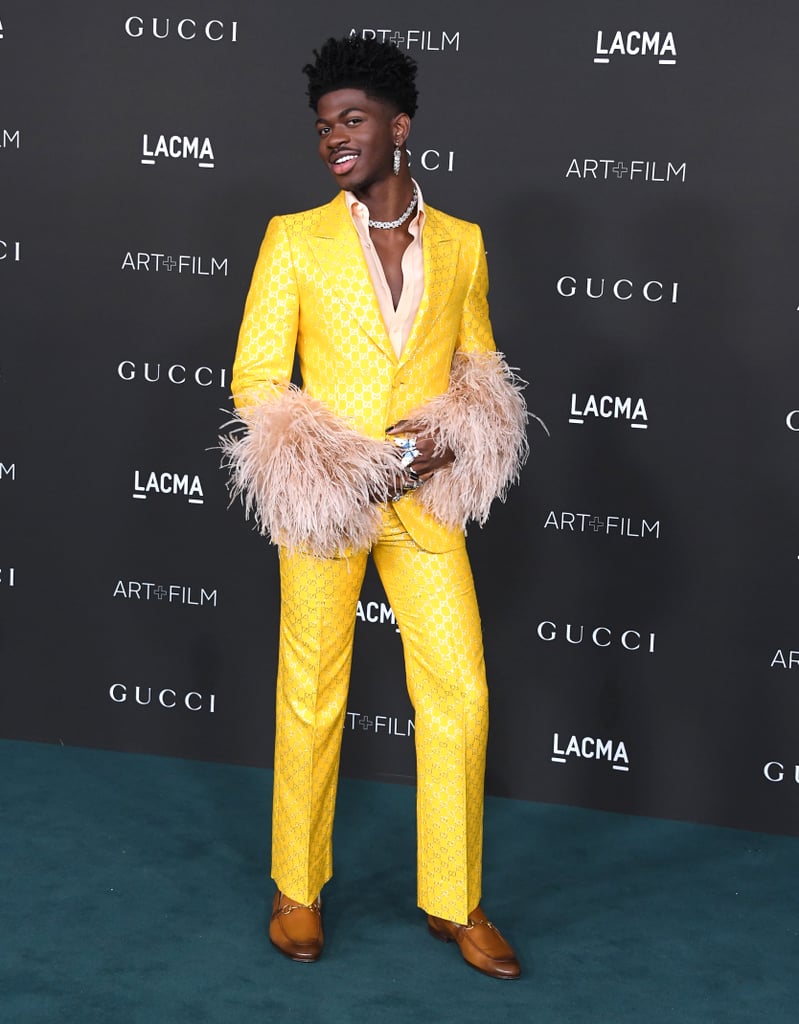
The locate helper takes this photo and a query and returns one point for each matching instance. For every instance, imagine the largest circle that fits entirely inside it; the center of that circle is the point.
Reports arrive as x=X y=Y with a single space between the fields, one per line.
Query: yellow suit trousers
x=433 y=598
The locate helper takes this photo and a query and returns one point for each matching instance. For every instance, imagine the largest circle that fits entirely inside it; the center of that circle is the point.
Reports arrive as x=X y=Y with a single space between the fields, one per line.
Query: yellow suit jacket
x=311 y=294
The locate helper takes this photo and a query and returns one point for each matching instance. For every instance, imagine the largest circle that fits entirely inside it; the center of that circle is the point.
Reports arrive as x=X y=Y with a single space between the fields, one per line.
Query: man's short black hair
x=379 y=69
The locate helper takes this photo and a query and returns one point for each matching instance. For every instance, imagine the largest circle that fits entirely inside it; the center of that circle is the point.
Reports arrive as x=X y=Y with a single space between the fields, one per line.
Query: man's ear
x=401 y=128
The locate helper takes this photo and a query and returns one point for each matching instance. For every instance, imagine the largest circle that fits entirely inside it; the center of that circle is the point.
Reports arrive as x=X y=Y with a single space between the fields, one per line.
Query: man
x=408 y=424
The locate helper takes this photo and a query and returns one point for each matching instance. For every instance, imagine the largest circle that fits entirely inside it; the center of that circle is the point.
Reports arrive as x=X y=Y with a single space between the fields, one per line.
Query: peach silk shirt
x=398 y=321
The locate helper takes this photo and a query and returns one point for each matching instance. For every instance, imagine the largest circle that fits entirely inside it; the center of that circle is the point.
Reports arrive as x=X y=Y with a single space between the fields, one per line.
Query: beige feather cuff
x=310 y=481
x=482 y=419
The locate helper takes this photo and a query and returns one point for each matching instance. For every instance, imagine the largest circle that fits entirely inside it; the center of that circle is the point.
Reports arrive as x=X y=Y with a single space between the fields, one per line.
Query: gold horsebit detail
x=473 y=924
x=287 y=909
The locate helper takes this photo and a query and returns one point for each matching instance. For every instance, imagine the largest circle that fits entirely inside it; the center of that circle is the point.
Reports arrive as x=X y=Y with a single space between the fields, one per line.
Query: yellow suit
x=311 y=294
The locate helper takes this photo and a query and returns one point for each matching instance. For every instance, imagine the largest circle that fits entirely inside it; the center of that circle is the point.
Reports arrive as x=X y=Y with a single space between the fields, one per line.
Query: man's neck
x=388 y=199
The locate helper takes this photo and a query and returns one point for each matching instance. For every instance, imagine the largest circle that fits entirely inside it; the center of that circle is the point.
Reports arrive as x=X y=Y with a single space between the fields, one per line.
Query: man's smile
x=343 y=161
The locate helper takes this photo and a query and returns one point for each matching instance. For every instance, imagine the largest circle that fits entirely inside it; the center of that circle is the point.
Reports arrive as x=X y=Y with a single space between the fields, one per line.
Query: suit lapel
x=337 y=249
x=440 y=251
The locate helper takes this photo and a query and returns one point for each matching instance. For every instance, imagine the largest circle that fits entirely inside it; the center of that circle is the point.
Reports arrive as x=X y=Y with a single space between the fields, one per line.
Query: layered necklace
x=384 y=224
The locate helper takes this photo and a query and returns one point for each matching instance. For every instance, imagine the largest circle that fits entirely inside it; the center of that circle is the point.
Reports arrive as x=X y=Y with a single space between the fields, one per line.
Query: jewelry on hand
x=407 y=445
x=410 y=478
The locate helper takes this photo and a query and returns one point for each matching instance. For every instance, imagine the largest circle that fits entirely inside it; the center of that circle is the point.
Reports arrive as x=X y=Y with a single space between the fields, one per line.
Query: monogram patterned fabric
x=434 y=601
x=311 y=293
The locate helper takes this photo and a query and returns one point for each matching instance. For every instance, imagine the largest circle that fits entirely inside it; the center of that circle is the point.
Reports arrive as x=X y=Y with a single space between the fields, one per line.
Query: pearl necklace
x=383 y=224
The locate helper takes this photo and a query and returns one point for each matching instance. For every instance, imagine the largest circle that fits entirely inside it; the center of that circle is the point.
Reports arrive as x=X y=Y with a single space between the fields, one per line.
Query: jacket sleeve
x=475 y=334
x=482 y=417
x=268 y=332
x=308 y=479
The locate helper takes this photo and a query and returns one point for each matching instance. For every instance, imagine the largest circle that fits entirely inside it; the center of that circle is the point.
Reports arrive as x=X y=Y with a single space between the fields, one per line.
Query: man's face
x=356 y=137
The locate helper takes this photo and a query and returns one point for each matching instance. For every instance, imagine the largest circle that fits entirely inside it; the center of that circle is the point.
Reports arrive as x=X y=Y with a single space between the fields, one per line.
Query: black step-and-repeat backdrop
x=633 y=165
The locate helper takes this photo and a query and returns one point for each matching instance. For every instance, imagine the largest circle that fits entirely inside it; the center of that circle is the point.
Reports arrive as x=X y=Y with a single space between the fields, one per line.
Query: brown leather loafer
x=480 y=943
x=295 y=929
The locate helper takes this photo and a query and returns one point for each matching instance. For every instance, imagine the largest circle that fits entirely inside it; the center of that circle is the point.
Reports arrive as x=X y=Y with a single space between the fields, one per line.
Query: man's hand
x=426 y=463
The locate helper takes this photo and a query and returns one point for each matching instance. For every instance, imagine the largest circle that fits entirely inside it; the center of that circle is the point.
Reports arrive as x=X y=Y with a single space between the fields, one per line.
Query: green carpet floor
x=135 y=891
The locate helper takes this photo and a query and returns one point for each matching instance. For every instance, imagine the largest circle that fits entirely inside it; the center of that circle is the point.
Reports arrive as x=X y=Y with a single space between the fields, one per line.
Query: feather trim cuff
x=310 y=481
x=482 y=419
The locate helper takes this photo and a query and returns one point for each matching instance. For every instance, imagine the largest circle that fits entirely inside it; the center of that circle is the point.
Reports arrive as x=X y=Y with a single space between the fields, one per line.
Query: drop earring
x=397 y=158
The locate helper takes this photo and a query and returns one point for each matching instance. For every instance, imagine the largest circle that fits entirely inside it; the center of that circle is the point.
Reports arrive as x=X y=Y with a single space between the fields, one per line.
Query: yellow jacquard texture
x=311 y=294
x=317 y=620
x=433 y=598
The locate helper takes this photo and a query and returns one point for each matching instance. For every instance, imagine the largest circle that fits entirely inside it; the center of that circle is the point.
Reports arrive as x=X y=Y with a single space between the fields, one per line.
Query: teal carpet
x=135 y=891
